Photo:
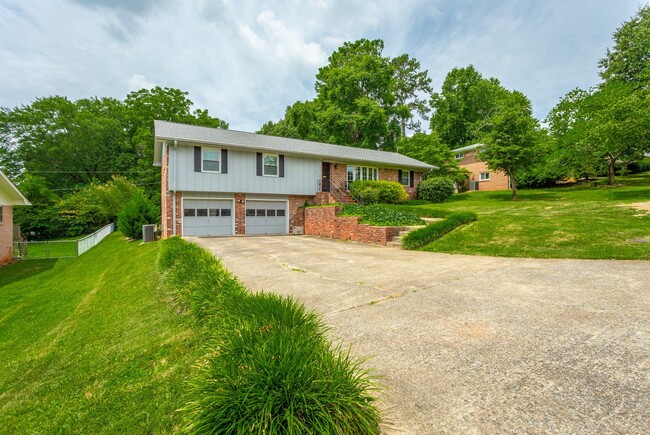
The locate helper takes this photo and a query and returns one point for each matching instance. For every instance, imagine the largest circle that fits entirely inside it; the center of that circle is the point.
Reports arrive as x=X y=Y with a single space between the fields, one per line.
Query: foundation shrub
x=378 y=191
x=435 y=189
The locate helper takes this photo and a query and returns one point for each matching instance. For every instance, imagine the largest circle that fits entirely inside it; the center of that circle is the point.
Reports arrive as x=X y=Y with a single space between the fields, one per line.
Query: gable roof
x=166 y=131
x=9 y=193
x=468 y=148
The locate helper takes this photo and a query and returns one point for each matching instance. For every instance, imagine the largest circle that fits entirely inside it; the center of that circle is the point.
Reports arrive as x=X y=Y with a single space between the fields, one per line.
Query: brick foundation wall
x=6 y=235
x=324 y=222
x=297 y=210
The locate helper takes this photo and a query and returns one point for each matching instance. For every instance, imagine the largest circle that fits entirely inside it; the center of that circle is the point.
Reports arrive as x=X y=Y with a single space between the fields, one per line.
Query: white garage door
x=266 y=217
x=208 y=217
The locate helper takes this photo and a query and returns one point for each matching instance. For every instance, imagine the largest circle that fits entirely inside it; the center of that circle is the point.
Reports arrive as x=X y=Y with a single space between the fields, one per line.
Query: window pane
x=271 y=160
x=225 y=212
x=210 y=155
x=250 y=212
x=261 y=212
x=270 y=212
x=189 y=212
x=280 y=213
x=357 y=173
x=214 y=212
x=201 y=212
x=270 y=170
x=350 y=174
x=210 y=165
x=364 y=173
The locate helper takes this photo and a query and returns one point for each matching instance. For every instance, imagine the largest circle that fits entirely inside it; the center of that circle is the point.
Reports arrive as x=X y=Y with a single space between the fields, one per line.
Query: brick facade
x=167 y=202
x=324 y=222
x=240 y=214
x=498 y=180
x=6 y=235
x=297 y=210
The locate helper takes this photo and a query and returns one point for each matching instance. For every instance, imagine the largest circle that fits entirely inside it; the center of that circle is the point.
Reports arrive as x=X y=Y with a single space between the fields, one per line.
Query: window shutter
x=224 y=161
x=411 y=178
x=197 y=159
x=259 y=164
x=281 y=164
x=399 y=176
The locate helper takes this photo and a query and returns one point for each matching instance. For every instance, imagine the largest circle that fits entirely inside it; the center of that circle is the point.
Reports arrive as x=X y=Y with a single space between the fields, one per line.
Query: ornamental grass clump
x=419 y=238
x=268 y=366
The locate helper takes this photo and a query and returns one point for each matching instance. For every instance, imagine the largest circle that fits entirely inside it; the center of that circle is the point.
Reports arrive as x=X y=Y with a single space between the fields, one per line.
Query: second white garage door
x=266 y=217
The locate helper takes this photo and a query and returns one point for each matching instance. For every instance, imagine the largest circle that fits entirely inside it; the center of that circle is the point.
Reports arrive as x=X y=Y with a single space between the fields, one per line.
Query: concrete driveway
x=474 y=344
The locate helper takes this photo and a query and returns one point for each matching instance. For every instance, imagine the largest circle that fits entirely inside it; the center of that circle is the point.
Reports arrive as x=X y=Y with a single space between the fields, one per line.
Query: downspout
x=174 y=191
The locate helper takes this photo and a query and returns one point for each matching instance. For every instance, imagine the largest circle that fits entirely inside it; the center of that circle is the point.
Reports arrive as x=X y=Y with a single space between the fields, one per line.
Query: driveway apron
x=469 y=344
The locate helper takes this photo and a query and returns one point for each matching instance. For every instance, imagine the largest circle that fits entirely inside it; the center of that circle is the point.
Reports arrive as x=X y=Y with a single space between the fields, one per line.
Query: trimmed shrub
x=436 y=189
x=378 y=191
x=419 y=238
x=135 y=213
x=269 y=367
x=381 y=215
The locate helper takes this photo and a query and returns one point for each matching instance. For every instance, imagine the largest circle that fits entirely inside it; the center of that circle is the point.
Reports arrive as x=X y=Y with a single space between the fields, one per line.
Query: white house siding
x=301 y=174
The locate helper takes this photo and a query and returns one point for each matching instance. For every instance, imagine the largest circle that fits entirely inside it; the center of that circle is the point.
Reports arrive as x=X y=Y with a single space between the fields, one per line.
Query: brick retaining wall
x=325 y=222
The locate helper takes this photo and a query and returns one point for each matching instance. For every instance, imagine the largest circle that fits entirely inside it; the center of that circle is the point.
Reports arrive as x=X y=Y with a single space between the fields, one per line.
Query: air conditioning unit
x=149 y=233
x=473 y=185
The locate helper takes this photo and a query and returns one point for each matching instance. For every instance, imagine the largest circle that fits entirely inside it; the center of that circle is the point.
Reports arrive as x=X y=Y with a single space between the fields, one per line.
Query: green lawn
x=585 y=221
x=90 y=344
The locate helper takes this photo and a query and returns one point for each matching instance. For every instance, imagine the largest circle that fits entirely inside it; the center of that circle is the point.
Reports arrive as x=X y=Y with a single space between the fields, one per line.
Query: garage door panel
x=266 y=217
x=207 y=217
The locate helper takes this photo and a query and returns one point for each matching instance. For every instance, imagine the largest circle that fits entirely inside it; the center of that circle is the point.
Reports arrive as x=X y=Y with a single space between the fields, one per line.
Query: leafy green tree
x=411 y=84
x=300 y=122
x=142 y=108
x=355 y=99
x=614 y=124
x=465 y=103
x=41 y=220
x=510 y=142
x=67 y=143
x=629 y=60
x=95 y=205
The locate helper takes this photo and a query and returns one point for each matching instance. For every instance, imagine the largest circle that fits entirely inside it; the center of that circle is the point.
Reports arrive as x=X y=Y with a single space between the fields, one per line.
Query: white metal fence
x=93 y=239
x=35 y=250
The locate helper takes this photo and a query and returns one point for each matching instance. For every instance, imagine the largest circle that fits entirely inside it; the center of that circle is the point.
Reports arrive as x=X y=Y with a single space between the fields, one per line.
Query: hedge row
x=268 y=367
x=419 y=238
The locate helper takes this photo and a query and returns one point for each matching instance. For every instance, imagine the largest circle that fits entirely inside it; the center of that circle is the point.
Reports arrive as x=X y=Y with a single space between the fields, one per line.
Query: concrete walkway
x=474 y=344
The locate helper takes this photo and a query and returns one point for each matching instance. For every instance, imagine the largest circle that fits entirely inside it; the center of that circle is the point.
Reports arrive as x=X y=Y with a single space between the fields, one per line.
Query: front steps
x=397 y=240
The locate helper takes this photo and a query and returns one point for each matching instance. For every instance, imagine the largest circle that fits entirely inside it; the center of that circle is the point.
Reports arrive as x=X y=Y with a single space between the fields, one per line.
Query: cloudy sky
x=246 y=60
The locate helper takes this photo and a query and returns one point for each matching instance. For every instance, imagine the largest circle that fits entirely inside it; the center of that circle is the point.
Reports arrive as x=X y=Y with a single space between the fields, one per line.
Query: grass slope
x=591 y=222
x=90 y=345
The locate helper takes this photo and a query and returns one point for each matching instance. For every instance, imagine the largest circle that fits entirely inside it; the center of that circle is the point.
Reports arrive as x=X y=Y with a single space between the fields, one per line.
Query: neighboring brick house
x=224 y=182
x=9 y=196
x=480 y=178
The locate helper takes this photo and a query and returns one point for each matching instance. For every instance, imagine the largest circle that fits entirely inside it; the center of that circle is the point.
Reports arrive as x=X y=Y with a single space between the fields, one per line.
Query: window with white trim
x=210 y=159
x=459 y=156
x=362 y=173
x=270 y=165
x=484 y=176
x=406 y=177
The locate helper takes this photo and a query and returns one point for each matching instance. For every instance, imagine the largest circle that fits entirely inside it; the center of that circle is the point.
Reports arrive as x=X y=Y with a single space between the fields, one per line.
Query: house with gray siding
x=217 y=182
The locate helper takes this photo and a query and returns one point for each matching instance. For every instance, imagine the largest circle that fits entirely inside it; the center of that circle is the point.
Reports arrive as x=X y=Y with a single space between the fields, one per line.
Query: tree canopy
x=363 y=99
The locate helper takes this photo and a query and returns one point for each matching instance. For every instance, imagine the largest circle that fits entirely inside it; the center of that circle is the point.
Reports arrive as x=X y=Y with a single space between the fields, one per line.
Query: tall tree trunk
x=513 y=187
x=403 y=128
x=611 y=176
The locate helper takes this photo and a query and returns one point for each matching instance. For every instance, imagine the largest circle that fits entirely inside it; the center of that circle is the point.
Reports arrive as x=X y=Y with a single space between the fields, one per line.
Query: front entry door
x=325 y=186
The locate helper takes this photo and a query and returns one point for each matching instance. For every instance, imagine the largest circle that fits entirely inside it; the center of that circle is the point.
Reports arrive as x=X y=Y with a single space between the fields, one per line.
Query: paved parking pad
x=473 y=344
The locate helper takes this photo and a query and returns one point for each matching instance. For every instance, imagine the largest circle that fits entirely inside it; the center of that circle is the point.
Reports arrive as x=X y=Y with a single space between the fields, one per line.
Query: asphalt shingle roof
x=238 y=139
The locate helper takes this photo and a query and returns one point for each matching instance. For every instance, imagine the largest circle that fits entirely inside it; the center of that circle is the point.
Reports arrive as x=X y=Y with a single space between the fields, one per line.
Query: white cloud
x=246 y=61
